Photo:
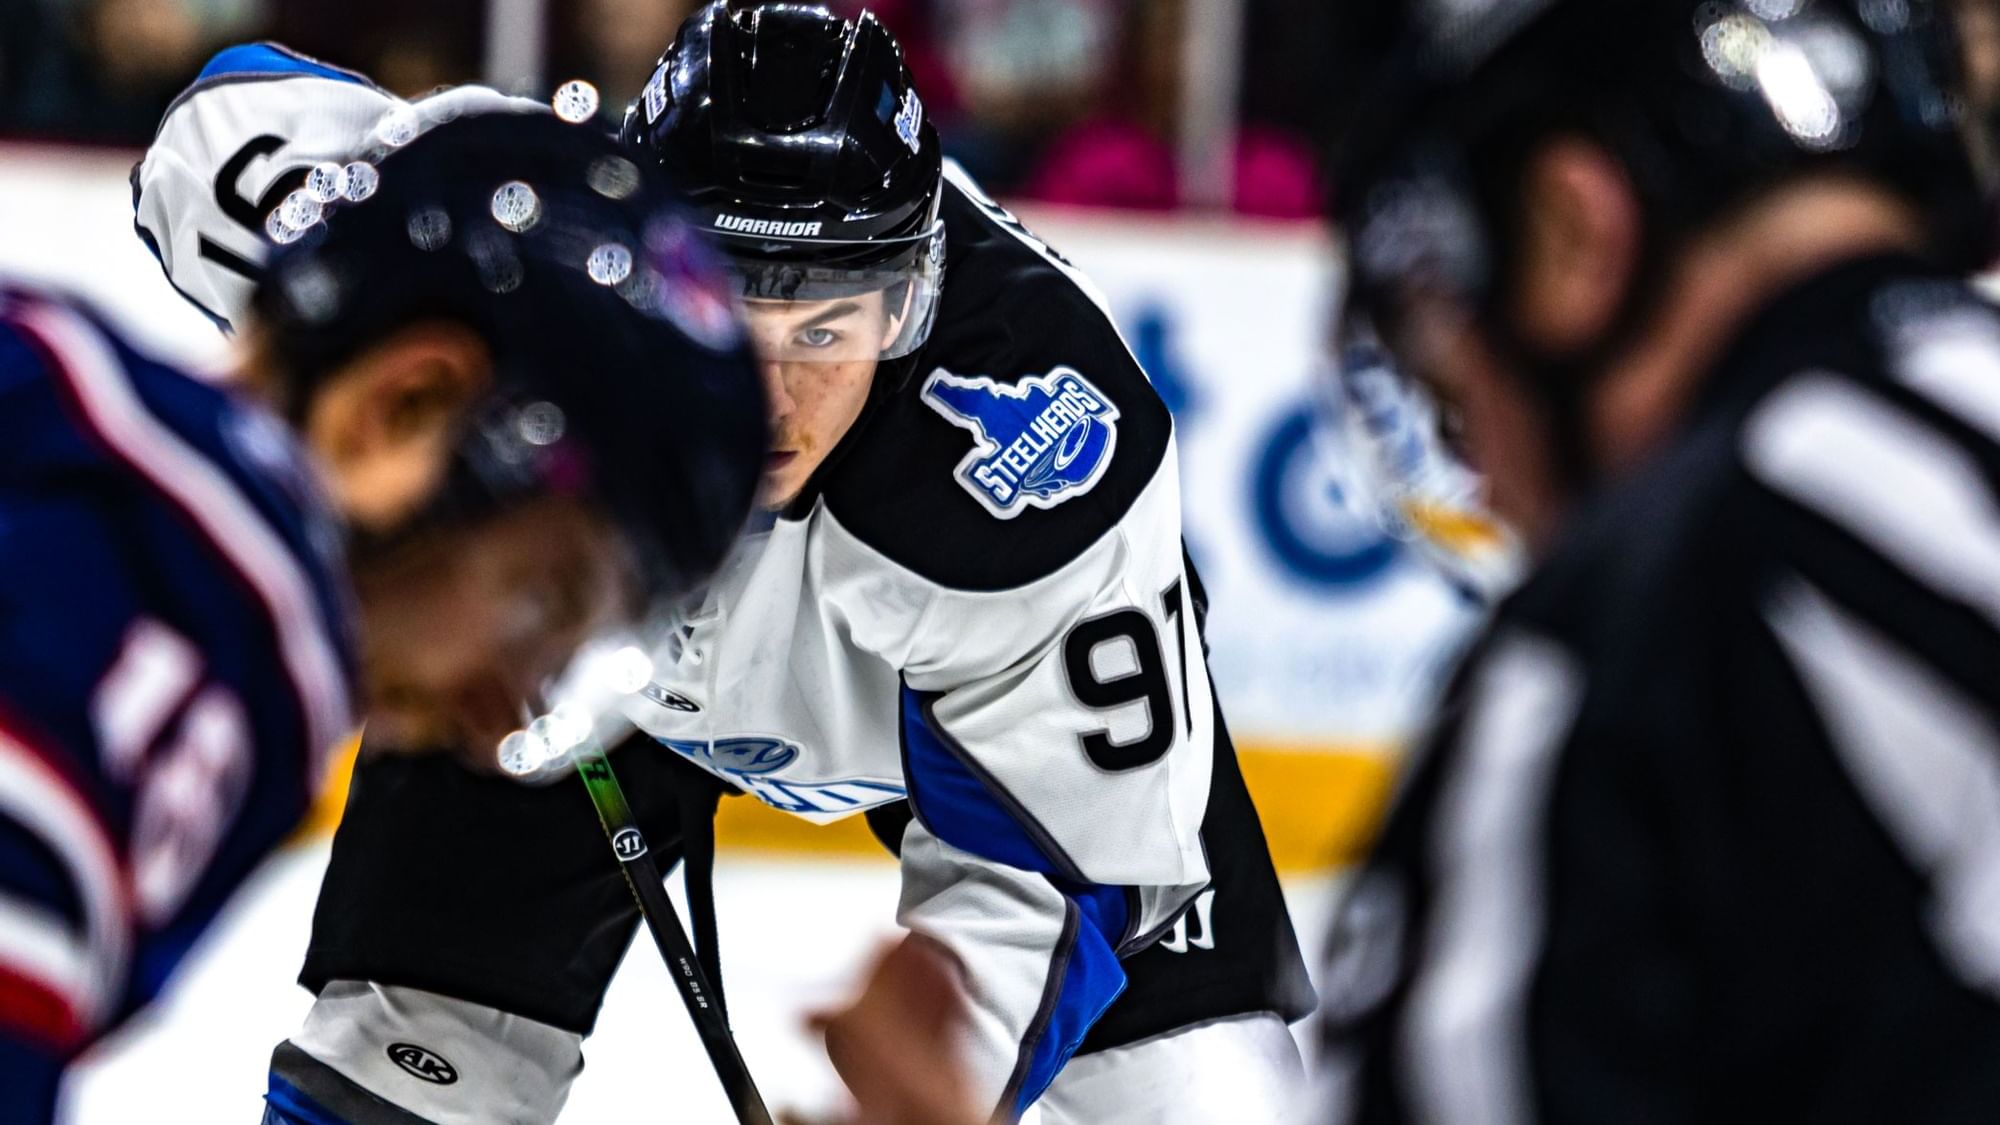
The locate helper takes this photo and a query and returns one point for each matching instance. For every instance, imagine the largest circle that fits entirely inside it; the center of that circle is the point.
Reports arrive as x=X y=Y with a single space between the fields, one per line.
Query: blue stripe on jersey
x=286 y=1104
x=957 y=805
x=960 y=807
x=31 y=871
x=272 y=58
x=1091 y=979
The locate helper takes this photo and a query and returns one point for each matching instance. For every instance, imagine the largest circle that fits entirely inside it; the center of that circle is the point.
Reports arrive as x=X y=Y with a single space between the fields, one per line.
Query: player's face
x=1498 y=427
x=1574 y=257
x=819 y=360
x=462 y=627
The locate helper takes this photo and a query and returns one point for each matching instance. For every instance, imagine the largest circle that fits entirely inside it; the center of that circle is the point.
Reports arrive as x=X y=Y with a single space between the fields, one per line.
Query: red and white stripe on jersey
x=56 y=984
x=114 y=411
x=150 y=682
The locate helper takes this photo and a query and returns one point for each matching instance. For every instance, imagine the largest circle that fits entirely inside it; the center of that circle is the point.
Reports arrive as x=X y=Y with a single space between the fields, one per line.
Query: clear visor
x=827 y=312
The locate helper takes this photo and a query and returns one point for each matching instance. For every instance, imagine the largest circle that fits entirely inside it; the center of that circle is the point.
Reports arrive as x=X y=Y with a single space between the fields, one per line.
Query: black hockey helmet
x=1436 y=103
x=621 y=373
x=803 y=144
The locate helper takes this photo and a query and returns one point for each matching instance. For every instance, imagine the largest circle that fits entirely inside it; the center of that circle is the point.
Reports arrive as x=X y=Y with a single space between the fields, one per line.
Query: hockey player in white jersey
x=970 y=619
x=994 y=613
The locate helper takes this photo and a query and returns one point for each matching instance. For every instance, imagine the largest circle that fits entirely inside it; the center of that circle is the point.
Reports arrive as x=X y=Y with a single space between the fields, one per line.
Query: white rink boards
x=796 y=933
x=1310 y=662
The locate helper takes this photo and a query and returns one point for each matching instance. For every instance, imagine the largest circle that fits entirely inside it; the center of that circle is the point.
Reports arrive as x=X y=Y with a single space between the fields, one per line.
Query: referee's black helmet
x=1437 y=104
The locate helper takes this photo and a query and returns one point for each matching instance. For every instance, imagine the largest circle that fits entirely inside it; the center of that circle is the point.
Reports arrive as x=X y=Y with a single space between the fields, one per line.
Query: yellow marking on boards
x=1320 y=806
x=325 y=813
x=1464 y=532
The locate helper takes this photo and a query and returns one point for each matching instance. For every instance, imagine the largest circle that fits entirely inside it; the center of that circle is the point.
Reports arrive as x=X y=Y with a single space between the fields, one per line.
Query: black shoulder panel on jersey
x=1024 y=433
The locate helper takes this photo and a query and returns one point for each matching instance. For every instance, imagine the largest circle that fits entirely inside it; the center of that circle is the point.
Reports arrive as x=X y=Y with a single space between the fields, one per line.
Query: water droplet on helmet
x=326 y=182
x=278 y=230
x=540 y=423
x=575 y=101
x=500 y=269
x=609 y=264
x=516 y=206
x=642 y=291
x=523 y=754
x=399 y=126
x=429 y=229
x=362 y=180
x=300 y=210
x=613 y=177
x=314 y=293
x=501 y=275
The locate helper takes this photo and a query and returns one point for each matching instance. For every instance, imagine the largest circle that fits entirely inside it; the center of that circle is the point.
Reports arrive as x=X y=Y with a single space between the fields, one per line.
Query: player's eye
x=819 y=338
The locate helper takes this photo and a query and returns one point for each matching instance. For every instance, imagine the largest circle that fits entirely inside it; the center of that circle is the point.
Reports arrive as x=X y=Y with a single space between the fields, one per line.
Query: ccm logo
x=423 y=1064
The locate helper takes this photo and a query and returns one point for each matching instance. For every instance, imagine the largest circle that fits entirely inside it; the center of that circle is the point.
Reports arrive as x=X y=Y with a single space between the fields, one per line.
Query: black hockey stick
x=642 y=874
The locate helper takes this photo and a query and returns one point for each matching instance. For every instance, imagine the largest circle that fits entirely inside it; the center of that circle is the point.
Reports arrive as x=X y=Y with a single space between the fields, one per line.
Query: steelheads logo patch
x=1036 y=443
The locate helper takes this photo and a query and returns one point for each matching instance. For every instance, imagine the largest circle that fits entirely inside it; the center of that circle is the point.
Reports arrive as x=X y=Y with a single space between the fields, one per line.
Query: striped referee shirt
x=1709 y=829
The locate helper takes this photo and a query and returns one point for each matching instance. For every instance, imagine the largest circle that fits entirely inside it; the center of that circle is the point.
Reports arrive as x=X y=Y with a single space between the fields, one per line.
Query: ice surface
x=795 y=933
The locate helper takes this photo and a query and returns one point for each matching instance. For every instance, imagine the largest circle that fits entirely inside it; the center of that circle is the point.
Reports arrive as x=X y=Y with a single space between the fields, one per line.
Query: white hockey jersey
x=982 y=604
x=244 y=136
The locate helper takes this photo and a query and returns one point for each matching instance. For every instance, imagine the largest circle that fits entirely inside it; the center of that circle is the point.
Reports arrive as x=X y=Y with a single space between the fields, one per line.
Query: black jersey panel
x=1023 y=432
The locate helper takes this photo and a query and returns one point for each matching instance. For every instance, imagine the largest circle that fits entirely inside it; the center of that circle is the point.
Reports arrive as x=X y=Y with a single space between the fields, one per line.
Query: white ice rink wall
x=1326 y=634
x=1326 y=637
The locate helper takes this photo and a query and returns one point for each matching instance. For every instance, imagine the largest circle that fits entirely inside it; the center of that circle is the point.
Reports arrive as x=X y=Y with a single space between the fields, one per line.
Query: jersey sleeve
x=157 y=735
x=234 y=144
x=1057 y=747
x=66 y=918
x=229 y=150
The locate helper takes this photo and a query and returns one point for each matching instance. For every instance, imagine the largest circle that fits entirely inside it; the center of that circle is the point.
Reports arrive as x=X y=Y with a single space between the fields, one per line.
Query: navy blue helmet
x=621 y=375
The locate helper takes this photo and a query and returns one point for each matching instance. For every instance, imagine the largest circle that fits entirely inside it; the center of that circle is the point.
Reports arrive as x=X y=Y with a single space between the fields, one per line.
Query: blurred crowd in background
x=1080 y=102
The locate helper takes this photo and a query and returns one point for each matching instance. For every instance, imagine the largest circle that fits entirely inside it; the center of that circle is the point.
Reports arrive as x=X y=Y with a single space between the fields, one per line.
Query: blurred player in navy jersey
x=1708 y=829
x=445 y=371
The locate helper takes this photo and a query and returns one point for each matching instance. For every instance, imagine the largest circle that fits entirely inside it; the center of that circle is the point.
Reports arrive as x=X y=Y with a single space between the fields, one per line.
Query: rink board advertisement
x=1327 y=634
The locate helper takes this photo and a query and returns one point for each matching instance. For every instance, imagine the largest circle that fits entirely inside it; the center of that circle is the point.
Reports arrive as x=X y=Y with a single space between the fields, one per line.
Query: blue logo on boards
x=1297 y=505
x=1036 y=443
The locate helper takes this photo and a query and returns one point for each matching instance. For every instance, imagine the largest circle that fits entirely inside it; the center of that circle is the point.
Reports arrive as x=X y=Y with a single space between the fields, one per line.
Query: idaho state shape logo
x=1037 y=443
